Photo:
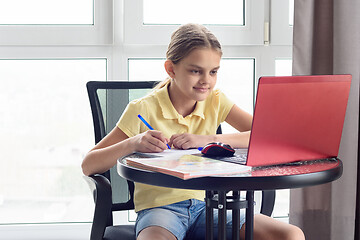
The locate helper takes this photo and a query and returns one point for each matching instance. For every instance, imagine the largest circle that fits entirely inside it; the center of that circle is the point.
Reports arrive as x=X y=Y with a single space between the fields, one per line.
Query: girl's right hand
x=150 y=141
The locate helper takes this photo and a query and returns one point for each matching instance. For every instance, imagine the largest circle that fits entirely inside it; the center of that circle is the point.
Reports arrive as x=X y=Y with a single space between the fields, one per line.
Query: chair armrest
x=267 y=202
x=101 y=189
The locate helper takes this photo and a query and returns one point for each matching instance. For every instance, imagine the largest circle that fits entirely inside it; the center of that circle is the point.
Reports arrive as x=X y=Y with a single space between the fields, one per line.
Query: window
x=51 y=22
x=40 y=59
x=243 y=28
x=46 y=12
x=210 y=12
x=47 y=125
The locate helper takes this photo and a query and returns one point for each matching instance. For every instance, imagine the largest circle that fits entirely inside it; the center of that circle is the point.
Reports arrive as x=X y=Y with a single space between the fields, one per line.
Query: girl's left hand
x=187 y=140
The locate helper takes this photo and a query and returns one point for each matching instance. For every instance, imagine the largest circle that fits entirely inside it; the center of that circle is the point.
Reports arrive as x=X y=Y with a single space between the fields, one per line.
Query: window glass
x=283 y=67
x=236 y=79
x=146 y=69
x=46 y=12
x=228 y=12
x=46 y=128
x=291 y=12
x=282 y=204
x=281 y=22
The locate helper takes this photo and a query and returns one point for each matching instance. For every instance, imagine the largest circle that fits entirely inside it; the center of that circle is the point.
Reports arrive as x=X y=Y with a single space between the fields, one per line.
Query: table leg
x=222 y=215
x=209 y=216
x=249 y=224
x=236 y=217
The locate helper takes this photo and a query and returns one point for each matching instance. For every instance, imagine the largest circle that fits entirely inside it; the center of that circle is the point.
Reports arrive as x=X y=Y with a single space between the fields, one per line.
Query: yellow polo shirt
x=158 y=110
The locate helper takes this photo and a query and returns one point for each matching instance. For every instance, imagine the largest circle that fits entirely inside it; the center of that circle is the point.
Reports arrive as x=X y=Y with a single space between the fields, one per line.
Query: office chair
x=111 y=192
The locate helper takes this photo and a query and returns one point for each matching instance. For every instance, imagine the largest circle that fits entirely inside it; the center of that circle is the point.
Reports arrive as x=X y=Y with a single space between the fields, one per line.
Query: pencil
x=149 y=126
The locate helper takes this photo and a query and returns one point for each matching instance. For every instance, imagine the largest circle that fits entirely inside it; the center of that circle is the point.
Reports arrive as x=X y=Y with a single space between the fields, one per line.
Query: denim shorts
x=186 y=219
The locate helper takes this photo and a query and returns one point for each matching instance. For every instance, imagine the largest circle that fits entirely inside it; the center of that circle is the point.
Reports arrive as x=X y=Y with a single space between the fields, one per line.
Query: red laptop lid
x=298 y=118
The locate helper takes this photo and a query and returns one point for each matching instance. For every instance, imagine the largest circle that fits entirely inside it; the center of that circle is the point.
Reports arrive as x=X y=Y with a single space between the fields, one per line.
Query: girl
x=186 y=111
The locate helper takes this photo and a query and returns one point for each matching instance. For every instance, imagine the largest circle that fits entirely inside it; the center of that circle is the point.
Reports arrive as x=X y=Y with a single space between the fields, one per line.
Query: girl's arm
x=237 y=118
x=241 y=121
x=116 y=145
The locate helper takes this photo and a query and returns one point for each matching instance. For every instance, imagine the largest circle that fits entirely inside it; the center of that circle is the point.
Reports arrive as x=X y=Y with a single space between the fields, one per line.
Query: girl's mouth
x=201 y=89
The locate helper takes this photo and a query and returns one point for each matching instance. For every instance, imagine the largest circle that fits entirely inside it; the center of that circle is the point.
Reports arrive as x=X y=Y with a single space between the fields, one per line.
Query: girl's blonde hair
x=187 y=38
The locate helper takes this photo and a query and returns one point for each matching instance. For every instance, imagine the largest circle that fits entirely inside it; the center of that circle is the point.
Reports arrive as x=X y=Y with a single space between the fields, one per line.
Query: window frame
x=135 y=32
x=99 y=33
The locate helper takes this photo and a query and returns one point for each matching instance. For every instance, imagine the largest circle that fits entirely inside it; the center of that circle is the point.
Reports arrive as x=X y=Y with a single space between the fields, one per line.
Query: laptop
x=297 y=118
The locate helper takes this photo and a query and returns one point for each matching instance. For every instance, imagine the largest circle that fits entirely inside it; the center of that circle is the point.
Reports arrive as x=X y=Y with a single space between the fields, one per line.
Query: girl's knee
x=156 y=233
x=294 y=233
x=268 y=228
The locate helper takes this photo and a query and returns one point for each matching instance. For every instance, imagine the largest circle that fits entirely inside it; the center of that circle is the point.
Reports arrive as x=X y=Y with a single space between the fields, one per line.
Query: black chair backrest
x=108 y=100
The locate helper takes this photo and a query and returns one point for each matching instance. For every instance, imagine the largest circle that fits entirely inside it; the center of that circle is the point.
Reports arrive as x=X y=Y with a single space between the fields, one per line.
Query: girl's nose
x=205 y=79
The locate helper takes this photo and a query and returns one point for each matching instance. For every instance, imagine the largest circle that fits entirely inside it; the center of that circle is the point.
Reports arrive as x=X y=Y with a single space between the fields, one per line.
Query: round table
x=285 y=176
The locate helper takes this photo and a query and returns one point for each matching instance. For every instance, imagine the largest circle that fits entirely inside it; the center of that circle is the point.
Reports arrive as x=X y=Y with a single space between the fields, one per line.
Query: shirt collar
x=168 y=110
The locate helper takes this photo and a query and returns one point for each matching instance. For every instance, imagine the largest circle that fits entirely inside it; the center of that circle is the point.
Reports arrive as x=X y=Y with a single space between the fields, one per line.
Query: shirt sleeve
x=128 y=121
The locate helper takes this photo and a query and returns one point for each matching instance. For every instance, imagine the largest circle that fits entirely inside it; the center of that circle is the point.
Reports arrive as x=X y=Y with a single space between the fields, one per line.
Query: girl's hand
x=150 y=141
x=187 y=140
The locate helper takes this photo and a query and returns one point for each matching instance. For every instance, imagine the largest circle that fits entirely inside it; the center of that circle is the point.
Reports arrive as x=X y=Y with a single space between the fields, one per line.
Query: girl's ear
x=169 y=68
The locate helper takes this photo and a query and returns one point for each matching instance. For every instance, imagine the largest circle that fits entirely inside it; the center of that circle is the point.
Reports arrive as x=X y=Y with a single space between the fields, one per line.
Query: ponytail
x=163 y=83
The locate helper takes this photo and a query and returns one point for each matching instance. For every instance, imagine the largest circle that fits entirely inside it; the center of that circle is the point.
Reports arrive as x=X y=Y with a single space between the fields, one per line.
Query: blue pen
x=150 y=127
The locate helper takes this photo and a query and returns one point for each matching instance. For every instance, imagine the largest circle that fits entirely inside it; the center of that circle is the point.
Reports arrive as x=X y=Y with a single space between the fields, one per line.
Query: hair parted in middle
x=189 y=37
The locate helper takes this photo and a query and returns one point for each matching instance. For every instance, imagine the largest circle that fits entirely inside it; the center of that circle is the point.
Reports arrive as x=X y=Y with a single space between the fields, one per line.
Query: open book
x=184 y=164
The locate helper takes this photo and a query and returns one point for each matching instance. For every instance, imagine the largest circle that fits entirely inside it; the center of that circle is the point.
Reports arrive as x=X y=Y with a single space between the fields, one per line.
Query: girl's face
x=194 y=77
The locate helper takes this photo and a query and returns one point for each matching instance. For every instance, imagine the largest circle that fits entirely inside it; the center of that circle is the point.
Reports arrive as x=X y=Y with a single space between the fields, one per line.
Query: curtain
x=326 y=41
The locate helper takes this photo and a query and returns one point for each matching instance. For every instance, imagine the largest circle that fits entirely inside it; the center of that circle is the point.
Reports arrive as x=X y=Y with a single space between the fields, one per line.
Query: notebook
x=297 y=118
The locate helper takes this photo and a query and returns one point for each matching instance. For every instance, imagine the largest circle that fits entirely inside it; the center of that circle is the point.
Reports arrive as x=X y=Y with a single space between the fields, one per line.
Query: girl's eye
x=214 y=72
x=195 y=71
